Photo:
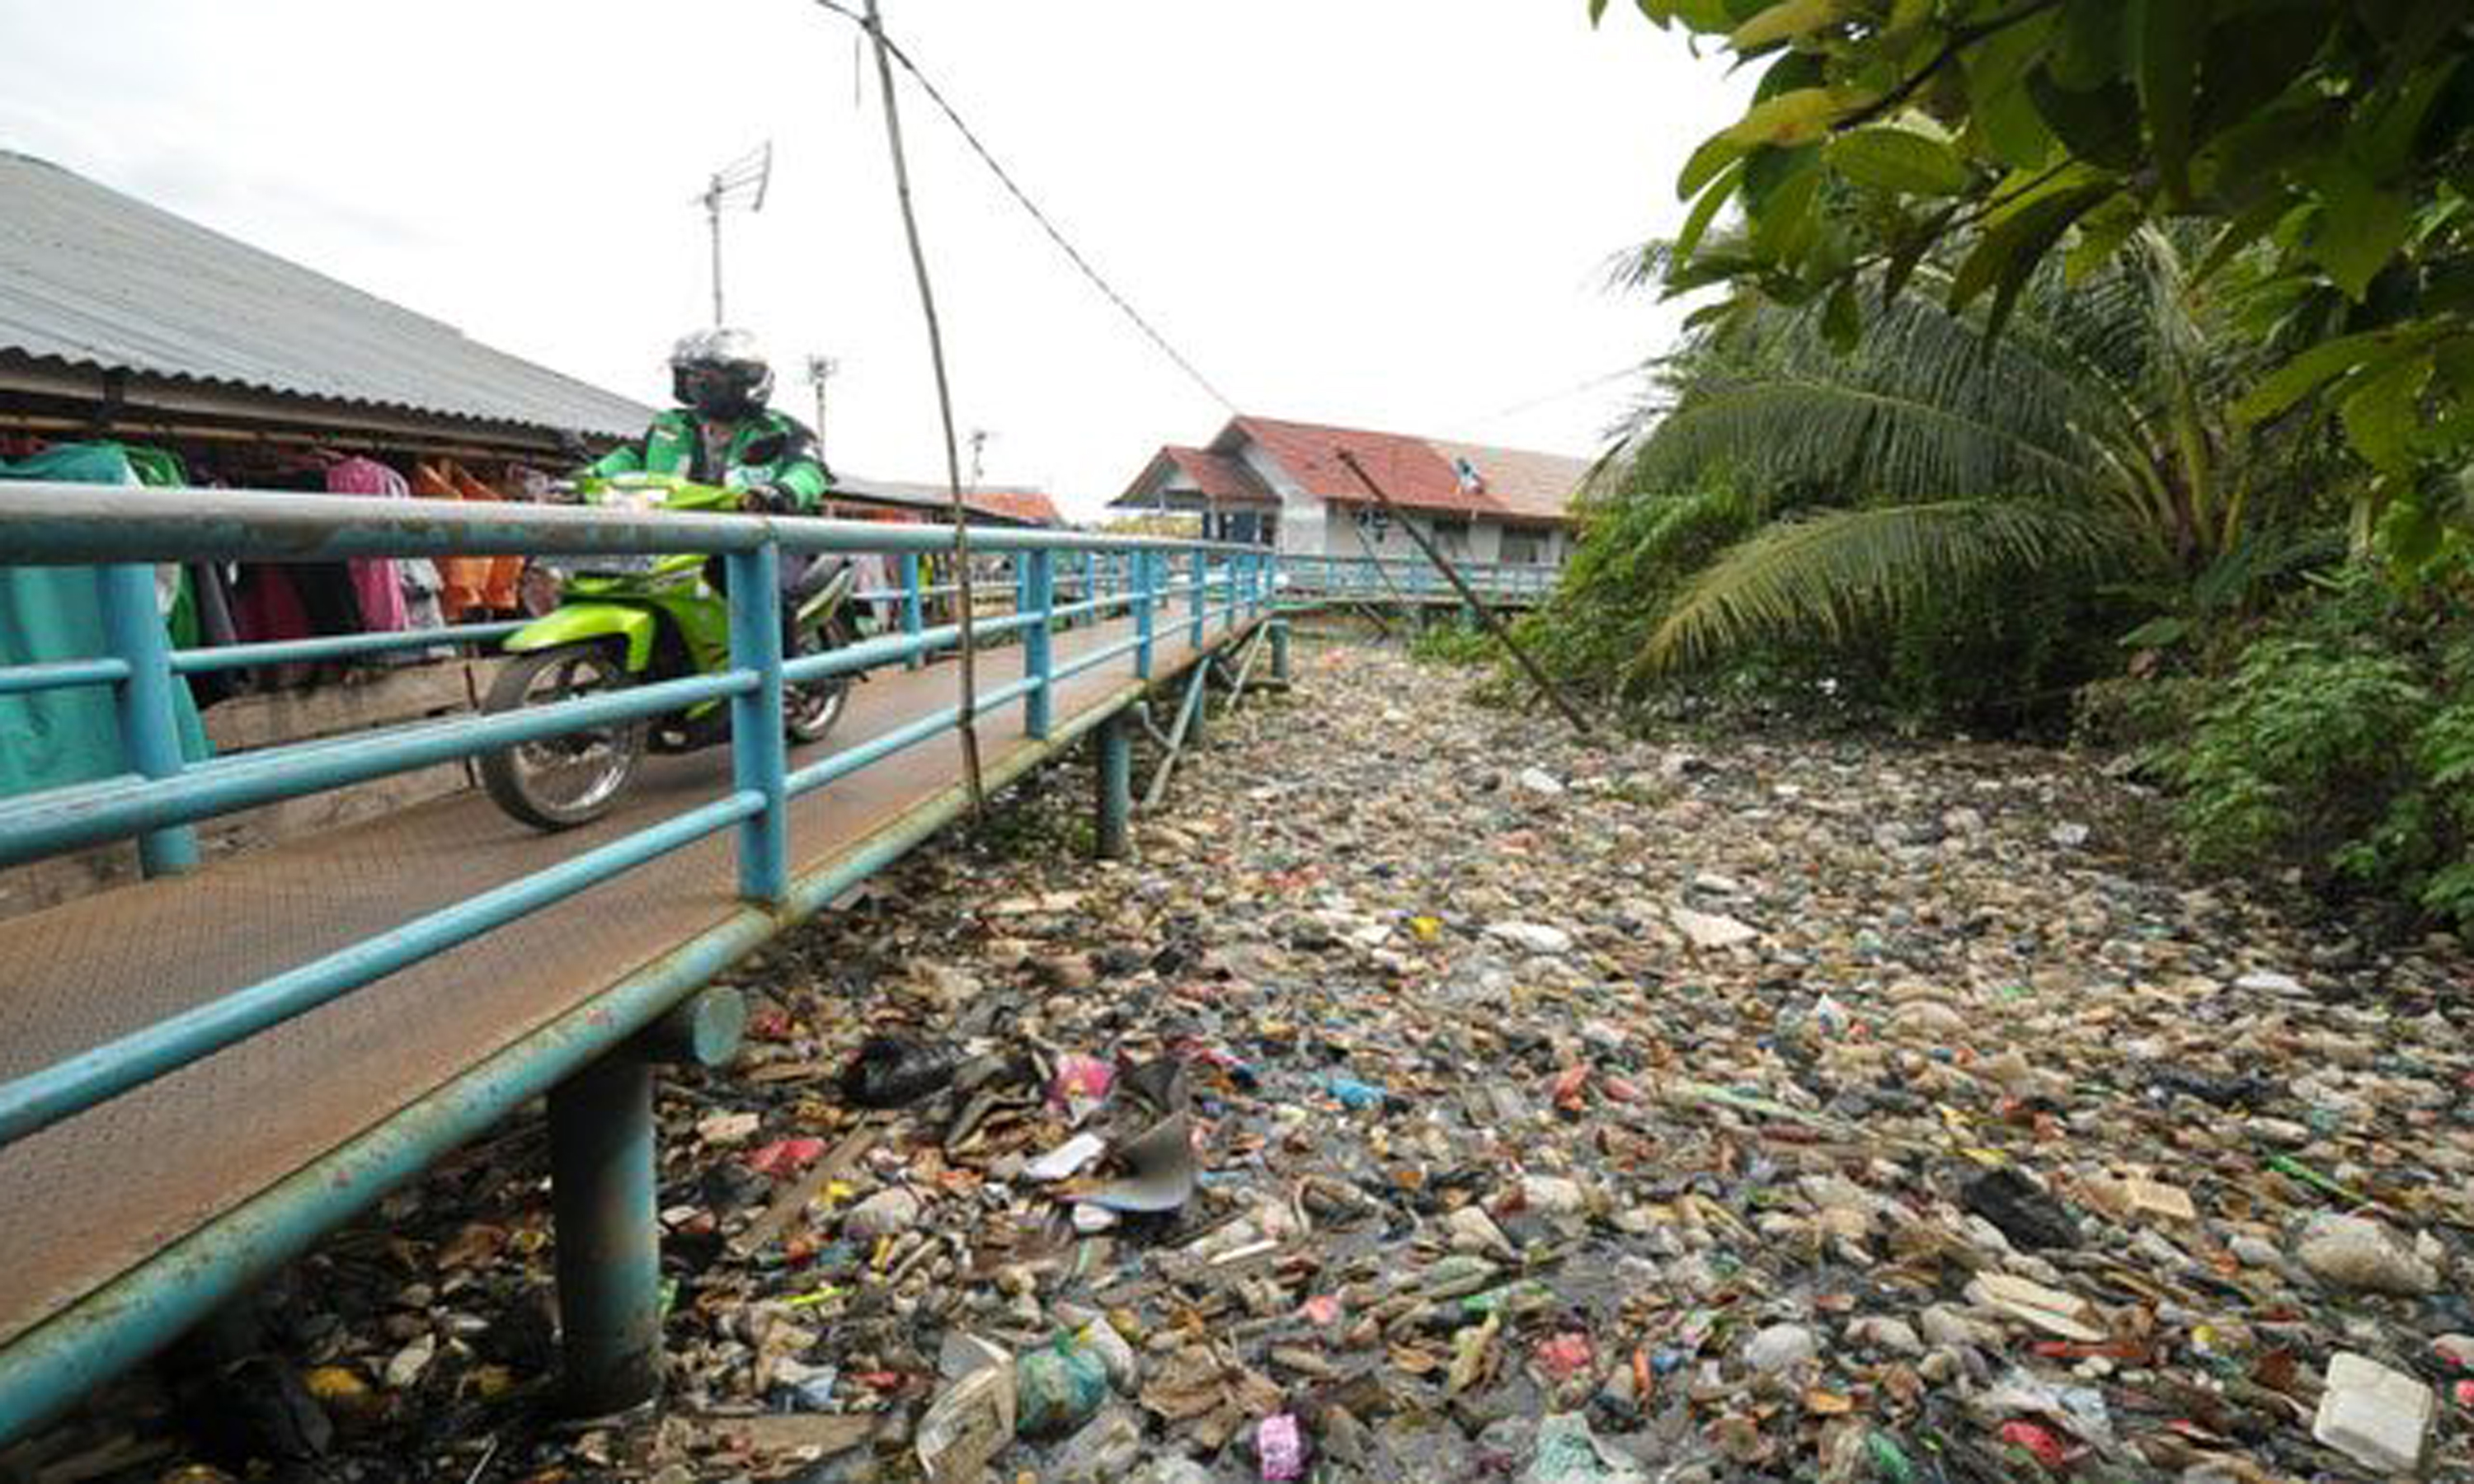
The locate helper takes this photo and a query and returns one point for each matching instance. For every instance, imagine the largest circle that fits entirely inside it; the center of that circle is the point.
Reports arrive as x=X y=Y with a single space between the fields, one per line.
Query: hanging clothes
x=500 y=575
x=52 y=738
x=211 y=592
x=461 y=579
x=376 y=583
x=423 y=588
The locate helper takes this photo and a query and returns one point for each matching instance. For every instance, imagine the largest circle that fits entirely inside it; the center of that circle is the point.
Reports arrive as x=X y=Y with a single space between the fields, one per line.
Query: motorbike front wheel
x=573 y=778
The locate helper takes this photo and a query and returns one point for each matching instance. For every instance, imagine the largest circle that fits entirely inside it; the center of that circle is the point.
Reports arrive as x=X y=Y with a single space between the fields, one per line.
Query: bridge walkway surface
x=126 y=1216
x=97 y=1194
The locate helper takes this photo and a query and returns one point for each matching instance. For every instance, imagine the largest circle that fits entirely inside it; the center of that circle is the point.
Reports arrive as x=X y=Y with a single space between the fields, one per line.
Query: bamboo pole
x=1538 y=676
x=968 y=648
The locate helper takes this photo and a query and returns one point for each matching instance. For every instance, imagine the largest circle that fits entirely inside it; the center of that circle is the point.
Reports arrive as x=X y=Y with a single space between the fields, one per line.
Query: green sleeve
x=625 y=459
x=799 y=470
x=807 y=480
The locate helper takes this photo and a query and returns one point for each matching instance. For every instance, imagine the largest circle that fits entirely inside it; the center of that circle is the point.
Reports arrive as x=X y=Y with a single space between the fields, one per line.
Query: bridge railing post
x=1200 y=594
x=758 y=754
x=912 y=619
x=1038 y=656
x=1146 y=594
x=150 y=725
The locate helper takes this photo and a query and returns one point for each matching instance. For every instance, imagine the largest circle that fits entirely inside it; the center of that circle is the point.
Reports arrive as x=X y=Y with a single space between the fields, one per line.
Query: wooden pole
x=875 y=25
x=1538 y=676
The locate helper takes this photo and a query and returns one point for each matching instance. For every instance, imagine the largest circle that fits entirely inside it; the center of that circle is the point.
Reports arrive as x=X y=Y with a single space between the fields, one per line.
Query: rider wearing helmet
x=723 y=434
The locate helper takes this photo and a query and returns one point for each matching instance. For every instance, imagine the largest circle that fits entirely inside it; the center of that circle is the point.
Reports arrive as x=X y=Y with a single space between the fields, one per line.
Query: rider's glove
x=768 y=499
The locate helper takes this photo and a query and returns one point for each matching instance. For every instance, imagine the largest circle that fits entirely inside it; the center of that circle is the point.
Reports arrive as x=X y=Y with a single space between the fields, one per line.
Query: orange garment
x=501 y=575
x=462 y=580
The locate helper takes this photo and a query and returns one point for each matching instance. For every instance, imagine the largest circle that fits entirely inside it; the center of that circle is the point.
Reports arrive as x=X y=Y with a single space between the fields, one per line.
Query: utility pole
x=821 y=368
x=740 y=182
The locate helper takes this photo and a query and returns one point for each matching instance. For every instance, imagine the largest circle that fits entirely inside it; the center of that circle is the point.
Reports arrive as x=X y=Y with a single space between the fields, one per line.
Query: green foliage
x=1887 y=516
x=2331 y=141
x=1455 y=644
x=2343 y=742
x=1636 y=551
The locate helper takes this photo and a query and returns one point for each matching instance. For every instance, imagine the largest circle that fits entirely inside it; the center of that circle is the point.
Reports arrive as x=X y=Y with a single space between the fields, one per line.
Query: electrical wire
x=1572 y=390
x=1007 y=180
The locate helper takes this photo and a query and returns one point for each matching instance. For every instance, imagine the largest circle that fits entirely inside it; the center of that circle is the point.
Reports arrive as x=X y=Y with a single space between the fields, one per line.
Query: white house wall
x=1301 y=531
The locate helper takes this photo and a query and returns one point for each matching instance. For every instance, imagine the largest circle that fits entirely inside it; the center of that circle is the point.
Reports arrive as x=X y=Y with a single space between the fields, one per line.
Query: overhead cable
x=1004 y=178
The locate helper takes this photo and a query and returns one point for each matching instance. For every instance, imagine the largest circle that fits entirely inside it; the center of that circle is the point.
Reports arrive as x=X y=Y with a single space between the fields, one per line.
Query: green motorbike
x=627 y=620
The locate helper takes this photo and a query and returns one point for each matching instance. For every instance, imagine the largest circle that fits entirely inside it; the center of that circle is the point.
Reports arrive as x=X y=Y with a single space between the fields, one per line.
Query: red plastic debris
x=1568 y=1086
x=1081 y=1076
x=1564 y=1355
x=1322 y=1309
x=785 y=1156
x=2049 y=1450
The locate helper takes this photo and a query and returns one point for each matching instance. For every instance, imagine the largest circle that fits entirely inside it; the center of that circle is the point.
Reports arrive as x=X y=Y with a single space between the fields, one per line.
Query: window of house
x=1524 y=546
x=1373 y=520
x=1451 y=535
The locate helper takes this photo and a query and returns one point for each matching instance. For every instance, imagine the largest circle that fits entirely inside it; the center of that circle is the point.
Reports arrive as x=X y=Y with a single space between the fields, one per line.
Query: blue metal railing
x=1412 y=577
x=157 y=799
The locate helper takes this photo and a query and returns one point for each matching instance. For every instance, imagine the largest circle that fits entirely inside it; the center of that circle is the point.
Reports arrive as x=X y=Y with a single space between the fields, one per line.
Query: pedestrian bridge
x=202 y=1073
x=1411 y=583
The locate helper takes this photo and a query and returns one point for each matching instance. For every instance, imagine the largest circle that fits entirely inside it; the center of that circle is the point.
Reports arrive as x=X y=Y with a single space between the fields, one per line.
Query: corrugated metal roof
x=1017 y=505
x=89 y=277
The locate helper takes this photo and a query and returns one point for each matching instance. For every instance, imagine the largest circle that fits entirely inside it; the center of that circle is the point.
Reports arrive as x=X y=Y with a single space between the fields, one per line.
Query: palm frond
x=1844 y=570
x=1881 y=440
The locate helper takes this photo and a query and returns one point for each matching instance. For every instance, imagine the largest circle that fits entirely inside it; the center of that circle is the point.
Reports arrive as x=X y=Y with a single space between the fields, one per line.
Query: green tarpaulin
x=55 y=737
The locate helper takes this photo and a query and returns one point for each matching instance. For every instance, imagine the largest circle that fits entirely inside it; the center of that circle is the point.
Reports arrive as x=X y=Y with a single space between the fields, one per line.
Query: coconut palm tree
x=2091 y=439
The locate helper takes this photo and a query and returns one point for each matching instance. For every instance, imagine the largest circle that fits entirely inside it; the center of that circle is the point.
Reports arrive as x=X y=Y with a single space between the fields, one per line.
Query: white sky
x=1381 y=213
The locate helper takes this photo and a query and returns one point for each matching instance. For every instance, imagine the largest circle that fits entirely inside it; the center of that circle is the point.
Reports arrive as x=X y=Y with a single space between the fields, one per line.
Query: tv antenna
x=738 y=184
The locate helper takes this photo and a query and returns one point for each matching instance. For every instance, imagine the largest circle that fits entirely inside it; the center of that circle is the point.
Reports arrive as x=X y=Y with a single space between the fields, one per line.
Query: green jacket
x=769 y=448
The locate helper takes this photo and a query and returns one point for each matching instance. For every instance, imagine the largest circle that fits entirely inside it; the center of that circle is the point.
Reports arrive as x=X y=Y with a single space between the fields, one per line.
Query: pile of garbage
x=1439 y=1096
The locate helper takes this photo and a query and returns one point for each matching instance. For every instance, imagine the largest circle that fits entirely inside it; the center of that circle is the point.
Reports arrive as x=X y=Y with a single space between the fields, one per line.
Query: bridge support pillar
x=609 y=1237
x=1201 y=714
x=1115 y=751
x=1280 y=651
x=602 y=1192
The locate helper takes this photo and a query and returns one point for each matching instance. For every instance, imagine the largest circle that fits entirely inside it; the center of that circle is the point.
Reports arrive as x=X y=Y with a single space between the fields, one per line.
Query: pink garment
x=374 y=581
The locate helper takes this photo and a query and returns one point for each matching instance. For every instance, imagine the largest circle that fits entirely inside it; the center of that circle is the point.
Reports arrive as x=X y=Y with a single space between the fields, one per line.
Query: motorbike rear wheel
x=575 y=778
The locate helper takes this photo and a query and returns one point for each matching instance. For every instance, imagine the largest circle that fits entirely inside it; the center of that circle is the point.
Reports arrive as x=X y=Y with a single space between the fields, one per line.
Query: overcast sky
x=1381 y=213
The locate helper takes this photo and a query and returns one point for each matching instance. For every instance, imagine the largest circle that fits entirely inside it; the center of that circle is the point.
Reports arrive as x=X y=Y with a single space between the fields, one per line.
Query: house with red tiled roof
x=1273 y=483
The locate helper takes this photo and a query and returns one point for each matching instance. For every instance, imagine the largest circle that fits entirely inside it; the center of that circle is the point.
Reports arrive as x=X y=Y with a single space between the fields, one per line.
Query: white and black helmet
x=722 y=372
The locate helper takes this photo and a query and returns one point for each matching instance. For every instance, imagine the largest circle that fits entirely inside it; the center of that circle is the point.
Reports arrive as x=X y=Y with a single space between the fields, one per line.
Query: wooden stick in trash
x=1537 y=677
x=778 y=1216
